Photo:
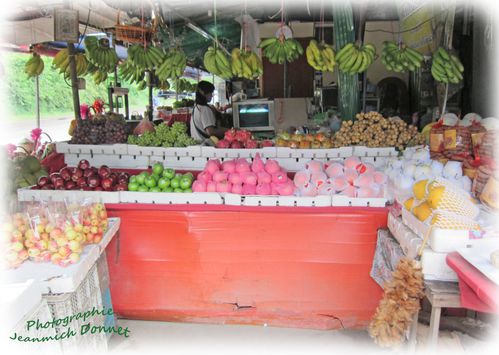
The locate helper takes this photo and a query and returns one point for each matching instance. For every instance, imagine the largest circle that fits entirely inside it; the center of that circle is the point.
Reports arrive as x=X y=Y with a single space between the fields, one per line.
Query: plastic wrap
x=387 y=255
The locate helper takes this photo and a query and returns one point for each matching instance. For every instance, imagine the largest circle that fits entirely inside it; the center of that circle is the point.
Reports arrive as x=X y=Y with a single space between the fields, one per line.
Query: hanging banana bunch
x=216 y=62
x=320 y=56
x=400 y=58
x=61 y=62
x=246 y=64
x=130 y=73
x=146 y=58
x=34 y=66
x=446 y=67
x=173 y=65
x=353 y=59
x=280 y=50
x=100 y=54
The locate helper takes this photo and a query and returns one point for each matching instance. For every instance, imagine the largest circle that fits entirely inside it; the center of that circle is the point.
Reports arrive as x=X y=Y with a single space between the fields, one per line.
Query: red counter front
x=293 y=267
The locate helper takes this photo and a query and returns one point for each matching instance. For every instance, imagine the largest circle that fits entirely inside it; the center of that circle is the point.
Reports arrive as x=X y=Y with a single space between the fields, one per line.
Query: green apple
x=150 y=181
x=133 y=186
x=133 y=178
x=189 y=176
x=157 y=169
x=189 y=190
x=185 y=183
x=175 y=183
x=141 y=178
x=163 y=183
x=155 y=189
x=178 y=176
x=143 y=188
x=168 y=189
x=156 y=176
x=178 y=189
x=168 y=173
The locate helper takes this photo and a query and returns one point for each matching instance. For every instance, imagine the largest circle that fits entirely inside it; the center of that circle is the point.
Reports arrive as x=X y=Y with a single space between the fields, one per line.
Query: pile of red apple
x=84 y=177
x=238 y=139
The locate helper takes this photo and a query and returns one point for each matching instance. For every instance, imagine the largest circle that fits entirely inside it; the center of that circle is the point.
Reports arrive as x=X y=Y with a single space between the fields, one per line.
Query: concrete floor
x=184 y=338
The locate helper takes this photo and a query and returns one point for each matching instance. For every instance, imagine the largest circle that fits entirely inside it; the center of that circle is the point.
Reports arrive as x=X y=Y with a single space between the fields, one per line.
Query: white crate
x=85 y=298
x=26 y=195
x=212 y=152
x=304 y=201
x=340 y=200
x=191 y=151
x=166 y=198
x=41 y=312
x=361 y=151
x=113 y=161
x=18 y=300
x=435 y=266
x=111 y=149
x=284 y=152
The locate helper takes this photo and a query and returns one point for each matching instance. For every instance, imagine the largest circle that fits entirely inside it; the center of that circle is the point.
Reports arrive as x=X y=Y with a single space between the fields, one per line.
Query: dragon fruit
x=223 y=143
x=326 y=189
x=339 y=183
x=351 y=162
x=334 y=169
x=273 y=188
x=230 y=135
x=351 y=175
x=302 y=178
x=266 y=143
x=314 y=166
x=242 y=166
x=285 y=189
x=318 y=179
x=308 y=190
x=243 y=136
x=251 y=144
x=236 y=145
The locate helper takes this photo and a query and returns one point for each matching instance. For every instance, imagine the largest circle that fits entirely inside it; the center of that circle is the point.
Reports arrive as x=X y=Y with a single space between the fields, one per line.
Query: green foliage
x=55 y=91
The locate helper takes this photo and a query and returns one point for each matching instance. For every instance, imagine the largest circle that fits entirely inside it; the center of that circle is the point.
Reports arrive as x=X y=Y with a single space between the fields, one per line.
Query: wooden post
x=37 y=82
x=74 y=80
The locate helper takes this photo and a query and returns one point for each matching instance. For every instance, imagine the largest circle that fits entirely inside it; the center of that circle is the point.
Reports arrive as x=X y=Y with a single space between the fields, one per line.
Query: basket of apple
x=161 y=179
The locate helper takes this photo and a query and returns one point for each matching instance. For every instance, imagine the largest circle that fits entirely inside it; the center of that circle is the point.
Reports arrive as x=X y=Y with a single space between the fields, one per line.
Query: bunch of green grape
x=164 y=136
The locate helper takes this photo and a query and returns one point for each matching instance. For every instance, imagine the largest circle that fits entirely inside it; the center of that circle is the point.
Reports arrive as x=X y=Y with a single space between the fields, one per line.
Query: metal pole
x=37 y=82
x=285 y=79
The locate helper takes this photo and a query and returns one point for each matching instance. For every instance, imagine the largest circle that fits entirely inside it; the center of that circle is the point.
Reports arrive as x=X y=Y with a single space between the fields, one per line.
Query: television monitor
x=254 y=115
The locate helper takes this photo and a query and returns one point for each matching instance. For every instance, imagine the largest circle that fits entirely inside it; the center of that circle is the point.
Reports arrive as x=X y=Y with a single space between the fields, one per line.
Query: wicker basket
x=133 y=34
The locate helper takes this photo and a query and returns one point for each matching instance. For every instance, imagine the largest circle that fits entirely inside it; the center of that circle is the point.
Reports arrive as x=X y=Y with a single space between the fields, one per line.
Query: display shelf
x=113 y=161
x=109 y=149
x=191 y=151
x=56 y=279
x=179 y=163
x=27 y=195
x=198 y=198
x=221 y=153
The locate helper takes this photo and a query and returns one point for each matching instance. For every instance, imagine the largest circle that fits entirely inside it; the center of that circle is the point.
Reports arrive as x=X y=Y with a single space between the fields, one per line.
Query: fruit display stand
x=68 y=291
x=281 y=266
x=27 y=195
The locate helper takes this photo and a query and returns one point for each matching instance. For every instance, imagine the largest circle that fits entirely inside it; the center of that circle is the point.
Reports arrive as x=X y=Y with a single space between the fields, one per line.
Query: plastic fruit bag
x=38 y=237
x=14 y=231
x=93 y=216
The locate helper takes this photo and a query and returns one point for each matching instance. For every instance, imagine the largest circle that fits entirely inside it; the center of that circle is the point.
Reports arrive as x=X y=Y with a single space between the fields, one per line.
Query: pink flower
x=11 y=150
x=35 y=134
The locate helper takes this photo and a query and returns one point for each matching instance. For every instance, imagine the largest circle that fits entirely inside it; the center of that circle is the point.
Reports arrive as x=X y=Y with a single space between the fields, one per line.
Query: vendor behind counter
x=204 y=116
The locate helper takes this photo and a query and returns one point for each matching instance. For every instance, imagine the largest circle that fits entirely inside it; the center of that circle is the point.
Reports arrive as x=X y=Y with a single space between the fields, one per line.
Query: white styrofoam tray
x=108 y=149
x=212 y=152
x=56 y=279
x=18 y=300
x=340 y=200
x=274 y=201
x=190 y=151
x=26 y=195
x=435 y=266
x=113 y=161
x=333 y=153
x=408 y=240
x=441 y=240
x=361 y=151
x=171 y=198
x=479 y=257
